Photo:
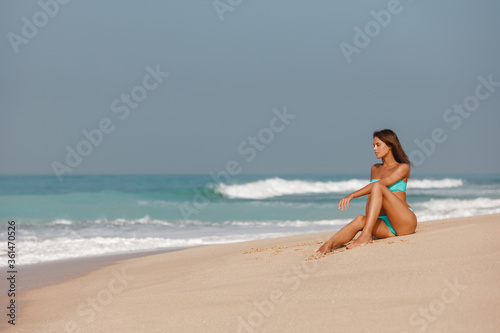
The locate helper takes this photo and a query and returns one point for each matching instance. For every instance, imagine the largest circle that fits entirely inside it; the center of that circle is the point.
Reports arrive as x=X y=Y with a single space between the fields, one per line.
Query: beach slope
x=443 y=278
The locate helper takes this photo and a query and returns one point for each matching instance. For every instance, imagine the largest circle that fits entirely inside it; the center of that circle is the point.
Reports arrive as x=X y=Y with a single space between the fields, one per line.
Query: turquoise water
x=94 y=215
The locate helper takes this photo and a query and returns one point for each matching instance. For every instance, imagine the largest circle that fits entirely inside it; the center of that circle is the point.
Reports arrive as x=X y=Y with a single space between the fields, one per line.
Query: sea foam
x=275 y=187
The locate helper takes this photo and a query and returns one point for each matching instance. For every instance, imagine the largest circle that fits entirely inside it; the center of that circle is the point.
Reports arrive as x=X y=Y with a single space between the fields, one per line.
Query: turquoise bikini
x=397 y=186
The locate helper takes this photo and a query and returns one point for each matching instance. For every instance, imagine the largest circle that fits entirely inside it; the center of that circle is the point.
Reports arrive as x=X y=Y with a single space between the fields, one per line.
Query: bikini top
x=397 y=186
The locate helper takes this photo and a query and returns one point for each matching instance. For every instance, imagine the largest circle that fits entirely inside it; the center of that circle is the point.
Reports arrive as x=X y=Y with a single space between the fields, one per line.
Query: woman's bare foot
x=361 y=240
x=325 y=248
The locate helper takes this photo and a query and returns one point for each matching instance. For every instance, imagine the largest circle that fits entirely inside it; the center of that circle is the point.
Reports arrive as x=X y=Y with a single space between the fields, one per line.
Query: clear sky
x=286 y=86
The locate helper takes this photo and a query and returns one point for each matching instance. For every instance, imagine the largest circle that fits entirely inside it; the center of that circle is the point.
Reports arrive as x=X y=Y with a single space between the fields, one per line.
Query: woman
x=387 y=213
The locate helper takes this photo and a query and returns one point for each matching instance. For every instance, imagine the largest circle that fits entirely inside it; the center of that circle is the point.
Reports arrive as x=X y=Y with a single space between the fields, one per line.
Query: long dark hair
x=391 y=139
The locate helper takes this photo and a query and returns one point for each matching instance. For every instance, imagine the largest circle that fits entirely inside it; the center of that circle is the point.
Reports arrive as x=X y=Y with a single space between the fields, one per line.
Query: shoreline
x=268 y=284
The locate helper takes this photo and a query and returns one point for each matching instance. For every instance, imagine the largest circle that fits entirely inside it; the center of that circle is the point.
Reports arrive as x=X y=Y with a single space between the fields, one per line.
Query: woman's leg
x=381 y=230
x=344 y=235
x=403 y=220
x=348 y=232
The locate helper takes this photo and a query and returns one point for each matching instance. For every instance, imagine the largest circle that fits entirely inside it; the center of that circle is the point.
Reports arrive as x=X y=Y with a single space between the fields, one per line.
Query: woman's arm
x=398 y=174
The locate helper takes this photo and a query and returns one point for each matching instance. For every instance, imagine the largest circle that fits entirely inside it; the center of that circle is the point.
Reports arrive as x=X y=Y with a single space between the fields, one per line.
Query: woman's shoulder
x=405 y=167
x=400 y=166
x=402 y=170
x=374 y=171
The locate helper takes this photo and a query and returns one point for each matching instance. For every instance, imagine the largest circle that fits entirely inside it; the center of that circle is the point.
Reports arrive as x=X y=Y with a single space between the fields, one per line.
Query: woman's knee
x=359 y=221
x=377 y=187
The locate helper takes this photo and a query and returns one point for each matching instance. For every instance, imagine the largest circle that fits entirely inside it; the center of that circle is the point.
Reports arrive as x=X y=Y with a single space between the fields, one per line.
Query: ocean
x=95 y=215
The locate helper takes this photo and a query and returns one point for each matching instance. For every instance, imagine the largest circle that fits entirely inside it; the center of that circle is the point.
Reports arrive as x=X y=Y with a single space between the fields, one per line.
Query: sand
x=443 y=278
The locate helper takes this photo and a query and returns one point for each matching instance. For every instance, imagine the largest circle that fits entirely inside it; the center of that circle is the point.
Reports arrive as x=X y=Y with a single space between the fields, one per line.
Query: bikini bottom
x=386 y=220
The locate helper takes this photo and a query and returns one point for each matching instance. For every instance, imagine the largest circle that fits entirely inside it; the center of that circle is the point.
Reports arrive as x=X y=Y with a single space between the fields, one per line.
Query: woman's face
x=380 y=148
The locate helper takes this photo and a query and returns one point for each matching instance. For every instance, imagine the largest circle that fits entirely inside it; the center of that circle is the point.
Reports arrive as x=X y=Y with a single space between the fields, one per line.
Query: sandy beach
x=443 y=278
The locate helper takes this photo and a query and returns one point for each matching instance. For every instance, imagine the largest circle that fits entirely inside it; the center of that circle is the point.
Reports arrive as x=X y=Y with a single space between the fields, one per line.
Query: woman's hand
x=344 y=202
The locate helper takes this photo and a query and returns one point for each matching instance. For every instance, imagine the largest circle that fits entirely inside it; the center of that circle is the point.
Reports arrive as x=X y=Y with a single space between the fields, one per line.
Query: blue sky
x=188 y=86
